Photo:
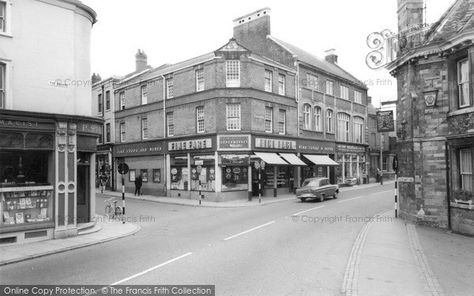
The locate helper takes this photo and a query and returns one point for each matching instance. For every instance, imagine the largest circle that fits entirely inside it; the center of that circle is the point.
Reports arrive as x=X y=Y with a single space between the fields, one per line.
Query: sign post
x=259 y=165
x=395 y=168
x=199 y=169
x=385 y=124
x=123 y=170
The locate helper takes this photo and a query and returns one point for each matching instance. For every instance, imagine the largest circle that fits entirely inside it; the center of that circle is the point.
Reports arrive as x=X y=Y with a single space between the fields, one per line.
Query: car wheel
x=335 y=194
x=321 y=198
x=303 y=199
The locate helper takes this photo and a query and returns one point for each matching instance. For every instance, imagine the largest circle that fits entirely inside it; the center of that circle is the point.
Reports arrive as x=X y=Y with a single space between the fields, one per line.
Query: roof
x=166 y=69
x=317 y=62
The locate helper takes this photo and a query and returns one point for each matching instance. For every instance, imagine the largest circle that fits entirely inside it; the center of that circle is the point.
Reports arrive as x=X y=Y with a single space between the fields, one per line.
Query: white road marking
x=344 y=200
x=247 y=231
x=299 y=213
x=151 y=269
x=362 y=196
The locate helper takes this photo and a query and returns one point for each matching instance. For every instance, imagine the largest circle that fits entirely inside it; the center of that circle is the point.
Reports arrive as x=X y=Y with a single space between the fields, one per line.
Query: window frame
x=343 y=127
x=144 y=128
x=234 y=117
x=100 y=104
x=3 y=18
x=330 y=121
x=282 y=122
x=282 y=84
x=107 y=100
x=200 y=120
x=268 y=84
x=122 y=132
x=108 y=132
x=307 y=116
x=122 y=100
x=331 y=83
x=169 y=88
x=312 y=81
x=460 y=83
x=357 y=97
x=317 y=119
x=232 y=73
x=358 y=129
x=3 y=85
x=268 y=126
x=170 y=126
x=144 y=94
x=344 y=94
x=462 y=173
x=200 y=84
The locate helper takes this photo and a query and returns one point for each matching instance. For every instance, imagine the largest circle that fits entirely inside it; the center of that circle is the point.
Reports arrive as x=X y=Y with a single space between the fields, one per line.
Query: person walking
x=380 y=175
x=138 y=185
x=103 y=182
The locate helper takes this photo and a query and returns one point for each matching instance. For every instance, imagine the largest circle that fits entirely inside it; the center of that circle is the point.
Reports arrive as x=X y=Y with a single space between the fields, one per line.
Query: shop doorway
x=83 y=188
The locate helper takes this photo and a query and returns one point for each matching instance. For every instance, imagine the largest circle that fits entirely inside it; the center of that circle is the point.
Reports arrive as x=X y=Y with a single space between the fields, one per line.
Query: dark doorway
x=83 y=188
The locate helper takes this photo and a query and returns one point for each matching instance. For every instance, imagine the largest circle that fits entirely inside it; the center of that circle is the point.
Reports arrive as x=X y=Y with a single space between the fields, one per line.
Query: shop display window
x=234 y=172
x=144 y=173
x=156 y=175
x=179 y=172
x=207 y=176
x=131 y=175
x=283 y=176
x=20 y=205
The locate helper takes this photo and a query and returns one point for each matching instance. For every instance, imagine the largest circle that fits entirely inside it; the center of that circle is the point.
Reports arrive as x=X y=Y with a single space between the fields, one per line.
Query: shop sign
x=306 y=146
x=275 y=144
x=190 y=144
x=385 y=121
x=26 y=124
x=89 y=127
x=233 y=142
x=136 y=149
x=350 y=148
x=234 y=160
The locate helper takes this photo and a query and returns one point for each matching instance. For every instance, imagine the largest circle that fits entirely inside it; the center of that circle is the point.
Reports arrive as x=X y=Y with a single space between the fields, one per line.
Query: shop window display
x=283 y=176
x=179 y=173
x=207 y=176
x=234 y=172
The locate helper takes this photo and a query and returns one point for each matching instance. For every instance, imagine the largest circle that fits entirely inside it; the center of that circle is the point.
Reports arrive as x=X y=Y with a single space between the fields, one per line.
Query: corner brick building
x=255 y=98
x=435 y=115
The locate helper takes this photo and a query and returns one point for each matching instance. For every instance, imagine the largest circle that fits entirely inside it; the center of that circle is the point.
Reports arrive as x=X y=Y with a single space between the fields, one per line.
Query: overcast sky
x=172 y=31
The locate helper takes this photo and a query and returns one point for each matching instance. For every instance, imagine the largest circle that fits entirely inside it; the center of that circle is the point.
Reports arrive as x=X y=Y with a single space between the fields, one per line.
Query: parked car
x=317 y=188
x=351 y=181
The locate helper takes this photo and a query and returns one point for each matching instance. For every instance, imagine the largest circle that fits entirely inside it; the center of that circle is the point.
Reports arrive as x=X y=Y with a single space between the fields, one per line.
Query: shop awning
x=292 y=158
x=320 y=159
x=271 y=158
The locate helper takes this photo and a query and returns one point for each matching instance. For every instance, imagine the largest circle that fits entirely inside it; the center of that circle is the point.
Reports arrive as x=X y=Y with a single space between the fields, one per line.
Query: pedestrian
x=138 y=185
x=103 y=182
x=380 y=175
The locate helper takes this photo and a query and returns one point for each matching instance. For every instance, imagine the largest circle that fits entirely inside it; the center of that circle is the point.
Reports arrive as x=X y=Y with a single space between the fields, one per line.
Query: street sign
x=123 y=168
x=406 y=179
x=262 y=164
x=257 y=164
x=385 y=121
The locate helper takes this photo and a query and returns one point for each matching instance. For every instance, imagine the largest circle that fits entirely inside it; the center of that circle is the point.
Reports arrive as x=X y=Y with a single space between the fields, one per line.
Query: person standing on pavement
x=103 y=182
x=138 y=185
x=380 y=175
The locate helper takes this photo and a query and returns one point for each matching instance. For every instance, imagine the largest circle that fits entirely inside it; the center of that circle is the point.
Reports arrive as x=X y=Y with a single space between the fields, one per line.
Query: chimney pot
x=141 y=60
x=331 y=56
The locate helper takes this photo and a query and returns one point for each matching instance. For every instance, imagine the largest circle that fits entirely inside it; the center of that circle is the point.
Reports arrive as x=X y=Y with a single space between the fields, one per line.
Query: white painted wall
x=48 y=42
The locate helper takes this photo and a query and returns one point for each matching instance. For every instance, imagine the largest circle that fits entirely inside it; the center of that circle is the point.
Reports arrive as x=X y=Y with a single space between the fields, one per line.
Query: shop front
x=104 y=166
x=353 y=163
x=46 y=176
x=319 y=155
x=146 y=160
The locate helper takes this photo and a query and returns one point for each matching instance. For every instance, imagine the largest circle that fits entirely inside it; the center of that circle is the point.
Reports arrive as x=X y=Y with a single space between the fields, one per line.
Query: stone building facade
x=435 y=116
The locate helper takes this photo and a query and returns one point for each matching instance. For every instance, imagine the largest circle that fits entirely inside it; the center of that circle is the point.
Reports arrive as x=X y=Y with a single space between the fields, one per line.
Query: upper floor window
x=144 y=94
x=144 y=128
x=463 y=83
x=122 y=132
x=268 y=119
x=329 y=121
x=3 y=16
x=107 y=100
x=199 y=80
x=268 y=80
x=318 y=125
x=358 y=97
x=282 y=122
x=169 y=88
x=358 y=130
x=343 y=127
x=232 y=73
x=465 y=169
x=122 y=100
x=170 y=123
x=329 y=87
x=99 y=99
x=107 y=132
x=307 y=116
x=344 y=92
x=312 y=81
x=2 y=85
x=200 y=119
x=233 y=117
x=281 y=84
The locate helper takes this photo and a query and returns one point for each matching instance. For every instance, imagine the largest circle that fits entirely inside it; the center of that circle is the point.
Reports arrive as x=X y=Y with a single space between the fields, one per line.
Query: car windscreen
x=312 y=183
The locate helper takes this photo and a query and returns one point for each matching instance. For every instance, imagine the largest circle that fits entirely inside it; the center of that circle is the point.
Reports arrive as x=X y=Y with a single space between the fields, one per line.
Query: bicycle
x=111 y=208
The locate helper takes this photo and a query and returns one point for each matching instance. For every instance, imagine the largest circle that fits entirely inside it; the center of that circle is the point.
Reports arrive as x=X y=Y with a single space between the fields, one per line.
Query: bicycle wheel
x=108 y=210
x=118 y=211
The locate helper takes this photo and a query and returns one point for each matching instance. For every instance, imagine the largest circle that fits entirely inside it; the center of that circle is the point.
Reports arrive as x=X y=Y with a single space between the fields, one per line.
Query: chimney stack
x=252 y=29
x=331 y=56
x=410 y=14
x=141 y=61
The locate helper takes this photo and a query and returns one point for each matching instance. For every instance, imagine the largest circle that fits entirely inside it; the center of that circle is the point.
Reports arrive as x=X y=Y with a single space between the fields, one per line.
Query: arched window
x=318 y=124
x=329 y=121
x=343 y=120
x=358 y=129
x=307 y=116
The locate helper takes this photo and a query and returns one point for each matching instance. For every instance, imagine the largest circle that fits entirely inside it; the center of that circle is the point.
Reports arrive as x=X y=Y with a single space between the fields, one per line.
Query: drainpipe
x=297 y=97
x=165 y=164
x=448 y=187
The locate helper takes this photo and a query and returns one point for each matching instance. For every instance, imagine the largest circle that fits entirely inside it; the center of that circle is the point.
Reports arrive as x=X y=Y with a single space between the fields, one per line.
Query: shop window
x=207 y=176
x=465 y=169
x=26 y=195
x=233 y=117
x=132 y=175
x=234 y=172
x=463 y=83
x=282 y=122
x=268 y=119
x=170 y=124
x=329 y=121
x=268 y=80
x=307 y=116
x=2 y=85
x=144 y=174
x=179 y=172
x=200 y=128
x=281 y=84
x=156 y=175
x=318 y=126
x=144 y=94
x=200 y=80
x=169 y=88
x=232 y=76
x=282 y=176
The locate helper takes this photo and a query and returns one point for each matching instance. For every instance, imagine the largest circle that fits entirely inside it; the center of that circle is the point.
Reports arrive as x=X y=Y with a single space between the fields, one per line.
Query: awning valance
x=292 y=158
x=320 y=159
x=271 y=158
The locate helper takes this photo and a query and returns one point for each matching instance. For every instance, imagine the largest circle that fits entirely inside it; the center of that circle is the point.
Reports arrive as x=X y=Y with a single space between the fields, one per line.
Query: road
x=285 y=248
